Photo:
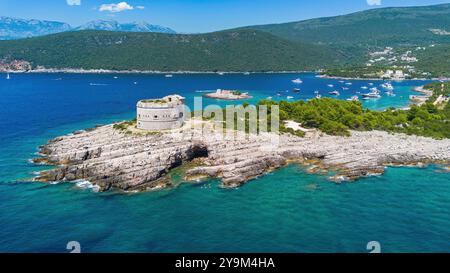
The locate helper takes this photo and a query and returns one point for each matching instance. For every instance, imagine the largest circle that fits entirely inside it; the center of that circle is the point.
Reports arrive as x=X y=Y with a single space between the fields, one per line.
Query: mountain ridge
x=12 y=28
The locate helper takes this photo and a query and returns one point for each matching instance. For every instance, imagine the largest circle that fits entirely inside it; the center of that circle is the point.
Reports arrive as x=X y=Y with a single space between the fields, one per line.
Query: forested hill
x=237 y=50
x=376 y=27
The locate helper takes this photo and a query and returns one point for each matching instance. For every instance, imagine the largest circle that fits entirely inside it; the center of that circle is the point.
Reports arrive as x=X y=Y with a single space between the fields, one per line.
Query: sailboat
x=7 y=76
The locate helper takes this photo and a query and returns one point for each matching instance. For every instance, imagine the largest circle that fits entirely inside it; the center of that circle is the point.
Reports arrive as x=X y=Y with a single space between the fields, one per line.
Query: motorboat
x=387 y=86
x=353 y=98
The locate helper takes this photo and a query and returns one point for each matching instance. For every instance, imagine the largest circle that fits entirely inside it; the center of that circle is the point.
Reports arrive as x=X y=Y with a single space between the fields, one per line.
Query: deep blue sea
x=406 y=210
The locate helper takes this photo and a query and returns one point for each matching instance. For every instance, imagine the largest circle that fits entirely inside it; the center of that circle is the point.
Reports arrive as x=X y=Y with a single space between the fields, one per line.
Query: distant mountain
x=111 y=25
x=13 y=28
x=243 y=50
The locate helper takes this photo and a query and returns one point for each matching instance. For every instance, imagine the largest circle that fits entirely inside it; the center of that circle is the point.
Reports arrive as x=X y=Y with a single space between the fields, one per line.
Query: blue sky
x=192 y=15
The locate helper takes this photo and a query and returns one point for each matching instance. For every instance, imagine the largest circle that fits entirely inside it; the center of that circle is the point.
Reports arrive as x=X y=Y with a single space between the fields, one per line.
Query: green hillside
x=376 y=27
x=243 y=50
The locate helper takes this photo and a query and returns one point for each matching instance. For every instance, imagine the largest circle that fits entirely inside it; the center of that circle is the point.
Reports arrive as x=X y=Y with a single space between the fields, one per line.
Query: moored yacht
x=373 y=94
x=353 y=98
x=297 y=81
x=387 y=86
x=335 y=93
x=390 y=93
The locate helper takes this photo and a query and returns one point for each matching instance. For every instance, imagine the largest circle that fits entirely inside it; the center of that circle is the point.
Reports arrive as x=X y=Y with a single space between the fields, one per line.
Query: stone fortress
x=161 y=114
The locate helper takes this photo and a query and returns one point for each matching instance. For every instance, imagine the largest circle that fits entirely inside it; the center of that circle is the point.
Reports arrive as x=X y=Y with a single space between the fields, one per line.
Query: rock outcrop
x=110 y=158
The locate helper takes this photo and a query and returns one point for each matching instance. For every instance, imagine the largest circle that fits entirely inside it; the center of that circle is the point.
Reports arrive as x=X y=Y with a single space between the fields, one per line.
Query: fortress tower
x=161 y=114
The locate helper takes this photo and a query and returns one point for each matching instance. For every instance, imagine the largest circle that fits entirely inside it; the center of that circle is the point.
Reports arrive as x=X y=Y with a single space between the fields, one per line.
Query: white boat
x=296 y=90
x=221 y=73
x=289 y=97
x=335 y=93
x=135 y=83
x=341 y=81
x=269 y=98
x=348 y=83
x=387 y=86
x=169 y=76
x=371 y=84
x=247 y=73
x=330 y=85
x=364 y=87
x=374 y=94
x=318 y=96
x=390 y=93
x=8 y=77
x=345 y=88
x=353 y=98
x=115 y=77
x=297 y=81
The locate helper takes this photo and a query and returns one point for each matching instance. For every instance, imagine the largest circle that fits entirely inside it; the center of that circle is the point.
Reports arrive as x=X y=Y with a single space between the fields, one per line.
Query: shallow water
x=406 y=210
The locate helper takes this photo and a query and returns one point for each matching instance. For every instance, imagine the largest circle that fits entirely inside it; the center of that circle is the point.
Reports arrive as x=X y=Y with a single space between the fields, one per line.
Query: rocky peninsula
x=113 y=159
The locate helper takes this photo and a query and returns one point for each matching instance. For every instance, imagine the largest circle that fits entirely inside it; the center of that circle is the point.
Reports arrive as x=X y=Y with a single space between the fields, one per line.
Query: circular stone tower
x=161 y=114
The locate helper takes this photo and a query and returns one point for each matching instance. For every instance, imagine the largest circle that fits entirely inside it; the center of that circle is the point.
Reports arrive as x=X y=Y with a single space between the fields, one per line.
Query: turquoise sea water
x=406 y=210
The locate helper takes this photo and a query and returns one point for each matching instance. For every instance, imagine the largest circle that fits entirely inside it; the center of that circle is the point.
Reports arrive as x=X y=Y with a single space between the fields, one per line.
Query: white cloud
x=73 y=2
x=373 y=2
x=122 y=6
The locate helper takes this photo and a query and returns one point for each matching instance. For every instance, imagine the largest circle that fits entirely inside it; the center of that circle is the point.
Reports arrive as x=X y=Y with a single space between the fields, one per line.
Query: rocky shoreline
x=112 y=159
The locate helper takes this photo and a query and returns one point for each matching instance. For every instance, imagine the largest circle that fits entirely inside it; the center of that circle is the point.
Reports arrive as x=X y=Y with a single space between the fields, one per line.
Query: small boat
x=135 y=83
x=390 y=93
x=289 y=97
x=269 y=98
x=371 y=84
x=345 y=88
x=335 y=93
x=353 y=98
x=364 y=87
x=247 y=73
x=387 y=86
x=341 y=81
x=221 y=73
x=297 y=81
x=7 y=76
x=169 y=76
x=330 y=85
x=279 y=94
x=318 y=96
x=348 y=83
x=296 y=90
x=374 y=94
x=115 y=77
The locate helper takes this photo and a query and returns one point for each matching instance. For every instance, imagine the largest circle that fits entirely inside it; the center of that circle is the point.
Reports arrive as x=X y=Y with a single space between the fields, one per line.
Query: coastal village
x=400 y=63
